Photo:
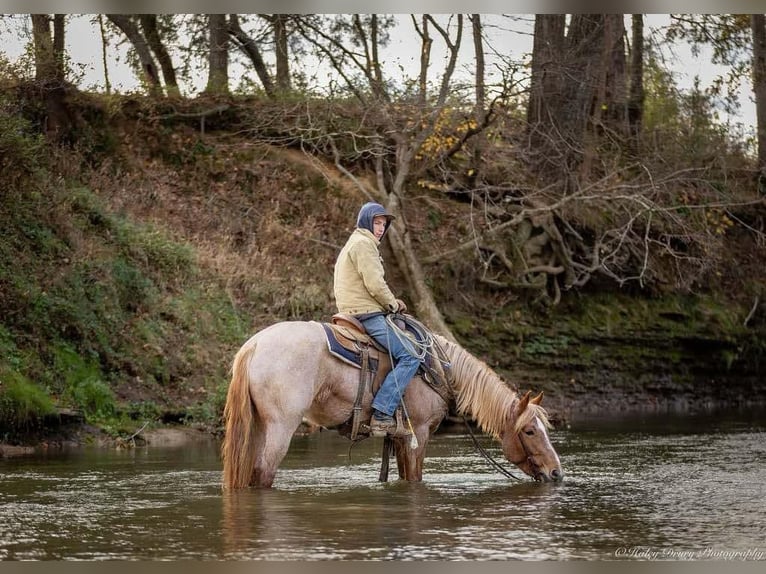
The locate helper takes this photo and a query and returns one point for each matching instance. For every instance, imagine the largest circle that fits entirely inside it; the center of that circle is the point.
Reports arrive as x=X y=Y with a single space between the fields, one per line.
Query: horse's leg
x=272 y=443
x=409 y=461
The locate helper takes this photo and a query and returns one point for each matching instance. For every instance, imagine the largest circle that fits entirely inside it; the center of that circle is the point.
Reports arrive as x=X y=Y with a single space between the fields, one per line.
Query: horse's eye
x=529 y=432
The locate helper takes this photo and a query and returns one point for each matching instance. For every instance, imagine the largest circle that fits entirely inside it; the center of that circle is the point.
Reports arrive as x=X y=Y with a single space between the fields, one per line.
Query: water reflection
x=670 y=485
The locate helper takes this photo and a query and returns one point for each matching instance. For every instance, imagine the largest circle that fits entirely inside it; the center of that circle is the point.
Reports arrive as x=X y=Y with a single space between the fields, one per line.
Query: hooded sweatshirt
x=359 y=281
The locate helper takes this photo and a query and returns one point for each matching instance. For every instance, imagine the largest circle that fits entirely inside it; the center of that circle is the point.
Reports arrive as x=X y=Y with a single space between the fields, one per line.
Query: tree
x=546 y=85
x=737 y=41
x=758 y=26
x=152 y=33
x=279 y=23
x=636 y=97
x=45 y=61
x=251 y=49
x=127 y=25
x=218 y=55
x=351 y=44
x=50 y=72
x=480 y=111
x=578 y=92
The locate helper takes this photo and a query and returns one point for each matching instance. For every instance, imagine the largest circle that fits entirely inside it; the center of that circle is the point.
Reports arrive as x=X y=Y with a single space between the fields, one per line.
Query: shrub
x=94 y=398
x=22 y=404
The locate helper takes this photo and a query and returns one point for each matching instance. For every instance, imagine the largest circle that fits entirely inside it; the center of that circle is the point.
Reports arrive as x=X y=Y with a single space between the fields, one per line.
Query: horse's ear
x=536 y=400
x=523 y=402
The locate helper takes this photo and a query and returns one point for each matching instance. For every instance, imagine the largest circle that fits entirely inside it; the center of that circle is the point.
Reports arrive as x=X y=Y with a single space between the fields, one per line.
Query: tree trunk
x=148 y=67
x=479 y=109
x=104 y=45
x=636 y=98
x=47 y=75
x=595 y=102
x=545 y=93
x=59 y=49
x=614 y=76
x=250 y=48
x=149 y=26
x=406 y=258
x=546 y=80
x=218 y=60
x=426 y=42
x=282 y=53
x=758 y=25
x=45 y=63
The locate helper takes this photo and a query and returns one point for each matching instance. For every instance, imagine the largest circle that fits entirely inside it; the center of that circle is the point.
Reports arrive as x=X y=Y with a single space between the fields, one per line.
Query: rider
x=361 y=290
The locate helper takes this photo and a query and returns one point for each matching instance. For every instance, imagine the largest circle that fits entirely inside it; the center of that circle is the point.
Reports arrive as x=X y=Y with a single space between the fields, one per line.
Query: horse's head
x=525 y=440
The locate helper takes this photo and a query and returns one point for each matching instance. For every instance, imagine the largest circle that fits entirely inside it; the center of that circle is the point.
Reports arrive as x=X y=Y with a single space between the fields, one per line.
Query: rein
x=442 y=358
x=488 y=457
x=423 y=349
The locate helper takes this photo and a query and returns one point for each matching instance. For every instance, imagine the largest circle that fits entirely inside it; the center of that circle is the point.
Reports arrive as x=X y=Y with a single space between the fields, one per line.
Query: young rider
x=361 y=290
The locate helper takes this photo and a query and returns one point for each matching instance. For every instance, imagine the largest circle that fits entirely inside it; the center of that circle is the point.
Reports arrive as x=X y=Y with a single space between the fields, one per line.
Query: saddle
x=348 y=341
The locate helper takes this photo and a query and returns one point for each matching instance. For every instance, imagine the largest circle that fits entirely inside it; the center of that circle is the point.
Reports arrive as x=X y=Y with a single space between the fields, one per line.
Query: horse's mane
x=481 y=393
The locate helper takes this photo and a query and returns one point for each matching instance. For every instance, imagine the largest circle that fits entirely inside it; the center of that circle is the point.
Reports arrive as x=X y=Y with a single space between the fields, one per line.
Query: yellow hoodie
x=359 y=282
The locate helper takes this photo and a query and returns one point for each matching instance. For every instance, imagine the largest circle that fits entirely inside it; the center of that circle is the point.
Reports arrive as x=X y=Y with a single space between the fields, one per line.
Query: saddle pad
x=346 y=355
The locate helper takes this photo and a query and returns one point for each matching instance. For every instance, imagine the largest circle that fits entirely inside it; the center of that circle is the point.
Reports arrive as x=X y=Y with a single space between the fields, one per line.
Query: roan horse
x=285 y=373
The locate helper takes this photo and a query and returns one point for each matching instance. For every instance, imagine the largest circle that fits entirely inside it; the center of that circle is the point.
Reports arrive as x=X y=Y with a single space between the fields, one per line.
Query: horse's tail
x=238 y=449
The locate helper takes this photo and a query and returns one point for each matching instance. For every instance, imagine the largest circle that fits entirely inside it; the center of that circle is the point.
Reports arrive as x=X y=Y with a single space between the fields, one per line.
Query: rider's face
x=378 y=226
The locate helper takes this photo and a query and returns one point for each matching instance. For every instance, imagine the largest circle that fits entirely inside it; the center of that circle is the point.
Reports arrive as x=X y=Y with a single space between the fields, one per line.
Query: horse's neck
x=479 y=391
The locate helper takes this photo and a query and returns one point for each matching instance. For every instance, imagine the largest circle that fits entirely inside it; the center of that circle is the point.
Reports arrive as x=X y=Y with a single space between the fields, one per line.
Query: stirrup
x=394 y=428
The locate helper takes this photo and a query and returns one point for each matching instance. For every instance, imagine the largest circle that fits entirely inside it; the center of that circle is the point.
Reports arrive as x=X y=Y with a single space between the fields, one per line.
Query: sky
x=510 y=35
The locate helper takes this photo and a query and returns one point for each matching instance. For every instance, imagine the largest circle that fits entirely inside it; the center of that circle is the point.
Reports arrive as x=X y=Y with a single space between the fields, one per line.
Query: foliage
x=728 y=36
x=21 y=149
x=23 y=404
x=95 y=398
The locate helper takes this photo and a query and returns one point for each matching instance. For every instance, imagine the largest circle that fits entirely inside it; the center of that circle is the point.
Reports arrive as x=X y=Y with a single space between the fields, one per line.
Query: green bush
x=22 y=404
x=21 y=151
x=94 y=398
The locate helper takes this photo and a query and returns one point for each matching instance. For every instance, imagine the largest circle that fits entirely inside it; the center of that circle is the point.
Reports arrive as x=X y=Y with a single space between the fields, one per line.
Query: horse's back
x=286 y=353
x=289 y=341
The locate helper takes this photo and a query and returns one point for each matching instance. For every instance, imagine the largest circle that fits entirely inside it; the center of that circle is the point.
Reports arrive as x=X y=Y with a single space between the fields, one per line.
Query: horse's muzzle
x=556 y=475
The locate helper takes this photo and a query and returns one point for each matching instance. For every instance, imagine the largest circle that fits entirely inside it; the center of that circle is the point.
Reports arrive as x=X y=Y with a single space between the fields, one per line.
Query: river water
x=645 y=487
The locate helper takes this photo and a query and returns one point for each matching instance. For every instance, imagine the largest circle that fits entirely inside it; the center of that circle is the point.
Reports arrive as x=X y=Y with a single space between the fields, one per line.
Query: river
x=648 y=487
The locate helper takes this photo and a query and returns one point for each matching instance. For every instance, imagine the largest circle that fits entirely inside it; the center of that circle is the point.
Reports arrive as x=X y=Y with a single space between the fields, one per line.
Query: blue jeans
x=405 y=362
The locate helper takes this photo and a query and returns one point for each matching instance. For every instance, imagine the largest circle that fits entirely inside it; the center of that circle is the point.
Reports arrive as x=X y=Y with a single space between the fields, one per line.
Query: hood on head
x=368 y=212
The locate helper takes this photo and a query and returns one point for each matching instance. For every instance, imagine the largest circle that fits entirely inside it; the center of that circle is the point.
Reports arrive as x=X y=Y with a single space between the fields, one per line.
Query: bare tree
x=481 y=95
x=351 y=45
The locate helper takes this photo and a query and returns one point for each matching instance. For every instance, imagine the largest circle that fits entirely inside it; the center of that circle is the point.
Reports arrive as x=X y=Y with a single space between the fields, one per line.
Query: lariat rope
x=422 y=350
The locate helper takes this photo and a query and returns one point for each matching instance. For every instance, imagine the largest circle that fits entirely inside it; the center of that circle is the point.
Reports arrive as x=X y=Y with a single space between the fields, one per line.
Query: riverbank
x=130 y=276
x=663 y=397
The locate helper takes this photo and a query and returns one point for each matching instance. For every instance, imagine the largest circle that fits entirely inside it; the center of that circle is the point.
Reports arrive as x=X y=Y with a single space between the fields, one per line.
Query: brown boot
x=387 y=426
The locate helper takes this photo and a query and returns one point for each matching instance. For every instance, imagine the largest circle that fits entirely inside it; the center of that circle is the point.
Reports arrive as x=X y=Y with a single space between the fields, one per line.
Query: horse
x=284 y=375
